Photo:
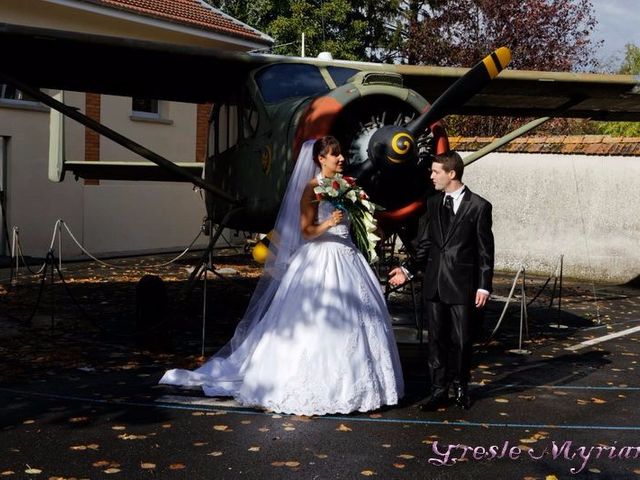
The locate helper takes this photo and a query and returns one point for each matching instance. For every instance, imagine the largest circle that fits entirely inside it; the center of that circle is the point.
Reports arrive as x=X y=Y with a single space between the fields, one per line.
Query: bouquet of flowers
x=343 y=193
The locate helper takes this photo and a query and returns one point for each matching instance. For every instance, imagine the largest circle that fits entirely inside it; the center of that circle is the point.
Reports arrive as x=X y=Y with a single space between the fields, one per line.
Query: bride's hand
x=336 y=217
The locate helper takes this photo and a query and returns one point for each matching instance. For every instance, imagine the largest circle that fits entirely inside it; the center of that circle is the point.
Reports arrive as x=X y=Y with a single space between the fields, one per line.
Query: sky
x=618 y=24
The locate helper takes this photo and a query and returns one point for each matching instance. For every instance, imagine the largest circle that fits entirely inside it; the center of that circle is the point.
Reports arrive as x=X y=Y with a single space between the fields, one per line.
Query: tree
x=542 y=35
x=349 y=29
x=630 y=66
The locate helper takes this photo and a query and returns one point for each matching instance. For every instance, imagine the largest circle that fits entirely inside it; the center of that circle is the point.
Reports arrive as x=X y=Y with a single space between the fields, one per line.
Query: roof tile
x=570 y=144
x=194 y=13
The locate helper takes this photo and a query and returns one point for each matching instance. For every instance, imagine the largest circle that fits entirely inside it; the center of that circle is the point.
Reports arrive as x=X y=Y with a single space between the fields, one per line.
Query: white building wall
x=113 y=217
x=584 y=207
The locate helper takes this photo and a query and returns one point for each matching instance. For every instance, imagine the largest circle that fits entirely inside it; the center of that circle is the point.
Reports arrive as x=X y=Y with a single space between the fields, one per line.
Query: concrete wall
x=585 y=207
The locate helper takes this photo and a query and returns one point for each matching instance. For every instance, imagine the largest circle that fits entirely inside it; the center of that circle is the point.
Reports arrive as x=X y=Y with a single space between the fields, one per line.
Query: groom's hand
x=397 y=277
x=481 y=299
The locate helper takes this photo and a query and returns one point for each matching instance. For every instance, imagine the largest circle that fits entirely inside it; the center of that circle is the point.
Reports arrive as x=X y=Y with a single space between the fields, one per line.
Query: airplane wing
x=54 y=59
x=537 y=94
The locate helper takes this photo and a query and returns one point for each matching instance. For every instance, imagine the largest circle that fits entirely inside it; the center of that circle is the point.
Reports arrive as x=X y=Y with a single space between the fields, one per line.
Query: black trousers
x=450 y=342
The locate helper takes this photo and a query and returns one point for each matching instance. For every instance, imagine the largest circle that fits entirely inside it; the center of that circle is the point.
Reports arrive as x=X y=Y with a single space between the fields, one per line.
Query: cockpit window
x=279 y=82
x=340 y=75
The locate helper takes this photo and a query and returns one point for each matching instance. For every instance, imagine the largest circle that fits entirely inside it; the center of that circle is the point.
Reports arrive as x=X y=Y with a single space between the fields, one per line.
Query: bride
x=317 y=336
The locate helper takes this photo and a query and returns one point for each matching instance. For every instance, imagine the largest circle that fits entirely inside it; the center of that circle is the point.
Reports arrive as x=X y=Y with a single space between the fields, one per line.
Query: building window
x=145 y=107
x=8 y=92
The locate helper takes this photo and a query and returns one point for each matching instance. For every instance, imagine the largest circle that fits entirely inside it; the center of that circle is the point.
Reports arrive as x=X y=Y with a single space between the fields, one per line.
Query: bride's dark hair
x=325 y=145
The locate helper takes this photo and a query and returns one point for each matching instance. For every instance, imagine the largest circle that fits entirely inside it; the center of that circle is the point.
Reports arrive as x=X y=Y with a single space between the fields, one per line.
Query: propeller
x=395 y=146
x=392 y=150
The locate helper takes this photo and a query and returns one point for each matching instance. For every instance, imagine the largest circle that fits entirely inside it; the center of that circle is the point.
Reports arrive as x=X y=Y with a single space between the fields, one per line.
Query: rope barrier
x=506 y=305
x=86 y=252
x=18 y=255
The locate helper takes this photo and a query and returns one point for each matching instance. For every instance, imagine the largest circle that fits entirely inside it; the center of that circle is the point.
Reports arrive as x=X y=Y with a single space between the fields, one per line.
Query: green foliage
x=630 y=66
x=349 y=29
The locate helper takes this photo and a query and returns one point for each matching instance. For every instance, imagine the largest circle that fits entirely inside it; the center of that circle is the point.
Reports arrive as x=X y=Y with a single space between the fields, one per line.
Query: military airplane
x=387 y=117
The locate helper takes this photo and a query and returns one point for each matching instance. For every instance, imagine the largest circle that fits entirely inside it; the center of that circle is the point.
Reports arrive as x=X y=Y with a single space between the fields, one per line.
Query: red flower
x=318 y=196
x=336 y=185
x=363 y=195
x=350 y=180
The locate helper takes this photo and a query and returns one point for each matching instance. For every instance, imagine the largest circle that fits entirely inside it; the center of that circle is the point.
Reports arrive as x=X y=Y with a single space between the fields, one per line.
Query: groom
x=455 y=250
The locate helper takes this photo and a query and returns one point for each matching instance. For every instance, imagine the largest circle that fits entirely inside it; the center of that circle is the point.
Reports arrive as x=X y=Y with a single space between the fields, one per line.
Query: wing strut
x=499 y=142
x=118 y=138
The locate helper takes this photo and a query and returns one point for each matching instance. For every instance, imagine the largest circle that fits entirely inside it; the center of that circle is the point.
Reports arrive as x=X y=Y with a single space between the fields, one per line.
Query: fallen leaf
x=254 y=449
x=292 y=464
x=367 y=473
x=599 y=401
x=177 y=466
x=321 y=455
x=399 y=465
x=406 y=456
x=127 y=436
x=6 y=473
x=148 y=466
x=101 y=463
x=289 y=429
x=78 y=447
x=28 y=422
x=220 y=428
x=527 y=397
x=78 y=419
x=501 y=400
x=245 y=422
x=594 y=470
x=528 y=440
x=199 y=444
x=118 y=427
x=263 y=429
x=214 y=454
x=166 y=425
x=375 y=415
x=111 y=470
x=343 y=428
x=387 y=445
x=277 y=464
x=33 y=471
x=550 y=477
x=93 y=446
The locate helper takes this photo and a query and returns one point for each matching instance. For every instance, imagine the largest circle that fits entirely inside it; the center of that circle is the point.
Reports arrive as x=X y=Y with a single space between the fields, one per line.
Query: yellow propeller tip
x=504 y=55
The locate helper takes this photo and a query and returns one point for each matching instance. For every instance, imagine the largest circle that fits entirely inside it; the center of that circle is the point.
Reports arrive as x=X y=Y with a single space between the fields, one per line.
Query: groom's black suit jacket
x=458 y=263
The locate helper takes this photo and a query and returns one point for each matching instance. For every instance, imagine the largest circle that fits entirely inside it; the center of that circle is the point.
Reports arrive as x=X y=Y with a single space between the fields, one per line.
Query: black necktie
x=447 y=213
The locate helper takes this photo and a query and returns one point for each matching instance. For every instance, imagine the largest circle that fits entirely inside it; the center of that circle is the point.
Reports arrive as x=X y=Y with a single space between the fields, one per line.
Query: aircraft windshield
x=279 y=82
x=340 y=75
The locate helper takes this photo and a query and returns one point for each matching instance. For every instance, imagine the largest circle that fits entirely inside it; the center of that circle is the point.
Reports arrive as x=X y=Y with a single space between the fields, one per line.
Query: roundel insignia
x=265 y=158
x=401 y=144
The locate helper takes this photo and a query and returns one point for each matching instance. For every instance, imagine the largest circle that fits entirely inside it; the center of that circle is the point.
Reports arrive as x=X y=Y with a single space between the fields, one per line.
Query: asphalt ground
x=79 y=395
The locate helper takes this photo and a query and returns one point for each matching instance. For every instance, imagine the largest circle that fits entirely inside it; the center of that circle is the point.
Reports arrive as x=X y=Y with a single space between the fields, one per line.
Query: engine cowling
x=367 y=117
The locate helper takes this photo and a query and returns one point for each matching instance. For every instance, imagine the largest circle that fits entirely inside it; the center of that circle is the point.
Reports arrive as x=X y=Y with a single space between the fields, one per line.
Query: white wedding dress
x=324 y=344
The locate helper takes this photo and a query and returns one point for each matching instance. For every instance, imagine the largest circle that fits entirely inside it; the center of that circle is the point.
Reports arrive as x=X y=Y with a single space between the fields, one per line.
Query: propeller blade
x=463 y=89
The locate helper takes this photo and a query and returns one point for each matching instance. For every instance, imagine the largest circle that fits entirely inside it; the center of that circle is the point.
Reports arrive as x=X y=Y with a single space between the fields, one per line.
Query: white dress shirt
x=457 y=198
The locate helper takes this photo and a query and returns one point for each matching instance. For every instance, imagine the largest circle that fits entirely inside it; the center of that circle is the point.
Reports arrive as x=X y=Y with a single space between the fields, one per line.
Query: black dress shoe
x=437 y=399
x=462 y=398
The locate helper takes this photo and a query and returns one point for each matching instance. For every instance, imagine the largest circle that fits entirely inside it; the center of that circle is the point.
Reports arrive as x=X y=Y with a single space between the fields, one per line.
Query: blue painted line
x=554 y=387
x=243 y=411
